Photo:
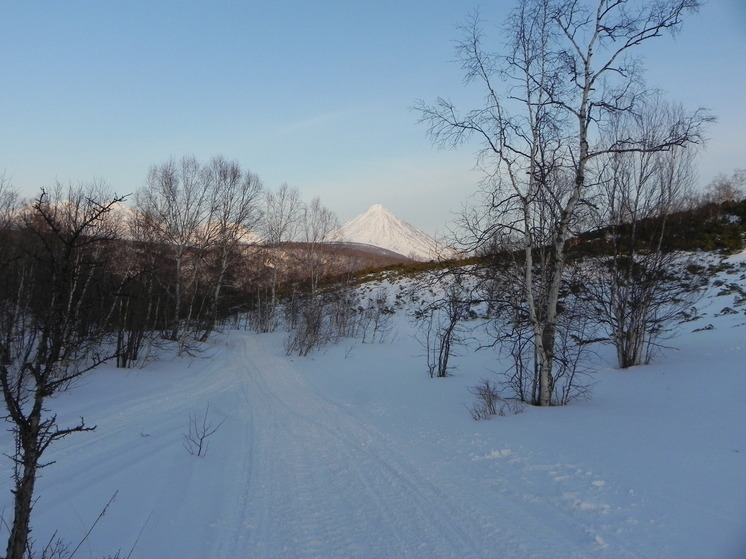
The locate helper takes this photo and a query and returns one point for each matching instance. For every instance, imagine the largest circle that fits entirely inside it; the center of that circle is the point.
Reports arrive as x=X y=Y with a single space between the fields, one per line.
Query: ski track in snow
x=328 y=484
x=325 y=481
x=302 y=476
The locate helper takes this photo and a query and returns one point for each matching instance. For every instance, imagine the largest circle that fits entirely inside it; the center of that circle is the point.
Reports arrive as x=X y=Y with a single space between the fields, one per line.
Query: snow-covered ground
x=354 y=452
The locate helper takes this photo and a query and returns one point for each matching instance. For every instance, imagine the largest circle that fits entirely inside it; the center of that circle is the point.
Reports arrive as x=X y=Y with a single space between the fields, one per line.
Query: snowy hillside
x=379 y=227
x=354 y=452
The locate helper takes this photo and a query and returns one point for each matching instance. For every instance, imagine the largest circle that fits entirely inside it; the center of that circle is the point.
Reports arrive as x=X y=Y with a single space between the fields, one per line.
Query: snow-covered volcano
x=379 y=227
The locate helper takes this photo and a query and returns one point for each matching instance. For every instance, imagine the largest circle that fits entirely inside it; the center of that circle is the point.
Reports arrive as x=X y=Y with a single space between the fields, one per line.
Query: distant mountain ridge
x=381 y=228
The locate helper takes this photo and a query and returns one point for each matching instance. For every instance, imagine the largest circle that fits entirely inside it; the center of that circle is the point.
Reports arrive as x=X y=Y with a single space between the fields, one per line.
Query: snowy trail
x=319 y=481
x=296 y=471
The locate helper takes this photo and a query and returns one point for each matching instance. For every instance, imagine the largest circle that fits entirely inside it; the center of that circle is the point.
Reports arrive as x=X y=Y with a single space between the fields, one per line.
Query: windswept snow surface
x=379 y=227
x=355 y=452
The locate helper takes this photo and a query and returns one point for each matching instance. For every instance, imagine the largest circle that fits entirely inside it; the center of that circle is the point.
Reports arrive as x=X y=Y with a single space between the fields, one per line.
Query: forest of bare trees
x=86 y=279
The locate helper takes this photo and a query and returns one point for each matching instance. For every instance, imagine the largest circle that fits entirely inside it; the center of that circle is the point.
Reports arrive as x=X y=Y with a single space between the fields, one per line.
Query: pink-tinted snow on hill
x=379 y=227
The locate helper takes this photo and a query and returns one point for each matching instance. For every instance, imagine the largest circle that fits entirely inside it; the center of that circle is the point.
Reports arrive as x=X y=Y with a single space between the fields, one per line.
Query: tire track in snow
x=137 y=450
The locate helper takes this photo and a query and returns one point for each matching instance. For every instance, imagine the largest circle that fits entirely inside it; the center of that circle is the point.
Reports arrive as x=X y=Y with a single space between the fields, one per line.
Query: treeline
x=706 y=226
x=197 y=244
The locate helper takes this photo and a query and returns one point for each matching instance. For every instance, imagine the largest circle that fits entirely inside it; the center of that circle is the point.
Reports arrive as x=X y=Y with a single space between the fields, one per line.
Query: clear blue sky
x=313 y=93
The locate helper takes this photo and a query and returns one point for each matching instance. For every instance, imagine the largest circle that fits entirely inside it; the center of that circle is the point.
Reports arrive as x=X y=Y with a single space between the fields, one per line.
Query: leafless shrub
x=439 y=325
x=488 y=398
x=375 y=317
x=489 y=402
x=336 y=313
x=309 y=332
x=426 y=336
x=341 y=311
x=199 y=430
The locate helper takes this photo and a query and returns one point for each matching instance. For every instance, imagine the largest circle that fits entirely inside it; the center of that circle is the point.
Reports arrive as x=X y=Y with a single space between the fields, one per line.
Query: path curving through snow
x=323 y=483
x=318 y=459
x=315 y=478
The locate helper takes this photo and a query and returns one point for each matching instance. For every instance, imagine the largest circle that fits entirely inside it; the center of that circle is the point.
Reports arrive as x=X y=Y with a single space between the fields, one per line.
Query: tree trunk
x=23 y=493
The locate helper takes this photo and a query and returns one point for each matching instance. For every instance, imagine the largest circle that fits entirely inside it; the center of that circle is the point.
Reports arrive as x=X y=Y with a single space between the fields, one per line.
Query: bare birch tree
x=234 y=216
x=174 y=206
x=309 y=312
x=569 y=67
x=317 y=256
x=439 y=322
x=724 y=188
x=281 y=222
x=637 y=286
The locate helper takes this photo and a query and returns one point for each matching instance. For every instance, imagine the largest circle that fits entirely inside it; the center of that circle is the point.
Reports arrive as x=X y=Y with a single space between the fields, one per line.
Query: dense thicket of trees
x=191 y=228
